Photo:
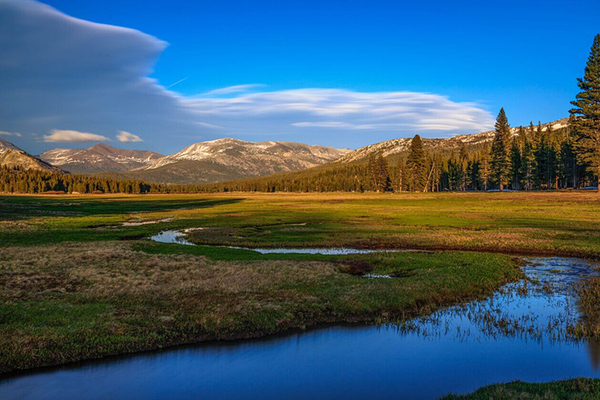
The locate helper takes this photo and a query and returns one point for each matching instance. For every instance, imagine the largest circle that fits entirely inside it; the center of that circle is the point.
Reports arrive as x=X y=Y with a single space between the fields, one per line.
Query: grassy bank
x=576 y=389
x=77 y=283
x=68 y=302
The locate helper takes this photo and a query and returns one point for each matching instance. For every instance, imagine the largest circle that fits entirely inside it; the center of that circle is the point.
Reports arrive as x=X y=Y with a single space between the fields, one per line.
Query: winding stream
x=519 y=333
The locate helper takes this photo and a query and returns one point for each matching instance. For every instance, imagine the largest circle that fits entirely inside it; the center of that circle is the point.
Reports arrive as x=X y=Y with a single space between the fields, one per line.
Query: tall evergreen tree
x=416 y=165
x=384 y=183
x=528 y=166
x=484 y=167
x=585 y=116
x=500 y=163
x=463 y=161
x=515 y=163
x=372 y=170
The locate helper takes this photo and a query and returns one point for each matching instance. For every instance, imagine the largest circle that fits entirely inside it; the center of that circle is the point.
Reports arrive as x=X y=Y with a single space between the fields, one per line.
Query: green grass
x=521 y=223
x=78 y=284
x=68 y=302
x=576 y=389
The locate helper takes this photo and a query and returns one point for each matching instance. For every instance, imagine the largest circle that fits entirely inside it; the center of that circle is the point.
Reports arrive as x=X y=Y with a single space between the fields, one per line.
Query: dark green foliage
x=400 y=181
x=17 y=180
x=501 y=162
x=380 y=173
x=416 y=166
x=585 y=116
x=484 y=168
x=528 y=167
x=515 y=166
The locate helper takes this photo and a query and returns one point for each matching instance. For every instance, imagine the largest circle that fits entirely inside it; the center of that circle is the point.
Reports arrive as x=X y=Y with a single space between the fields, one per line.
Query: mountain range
x=204 y=162
x=447 y=145
x=99 y=158
x=224 y=159
x=227 y=159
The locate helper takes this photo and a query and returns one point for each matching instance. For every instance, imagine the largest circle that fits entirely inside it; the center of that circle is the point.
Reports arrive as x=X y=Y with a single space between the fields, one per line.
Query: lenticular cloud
x=62 y=74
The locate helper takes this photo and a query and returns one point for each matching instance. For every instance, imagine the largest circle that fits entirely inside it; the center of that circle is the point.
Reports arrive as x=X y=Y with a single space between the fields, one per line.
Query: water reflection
x=594 y=352
x=179 y=238
x=519 y=333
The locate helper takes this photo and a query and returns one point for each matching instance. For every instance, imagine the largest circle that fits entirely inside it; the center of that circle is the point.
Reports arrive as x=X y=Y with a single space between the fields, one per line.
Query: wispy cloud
x=128 y=137
x=68 y=136
x=70 y=72
x=233 y=89
x=332 y=110
x=4 y=133
x=95 y=78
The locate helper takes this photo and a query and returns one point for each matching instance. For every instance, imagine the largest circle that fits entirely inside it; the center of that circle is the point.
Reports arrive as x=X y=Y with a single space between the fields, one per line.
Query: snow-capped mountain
x=12 y=156
x=225 y=159
x=99 y=158
x=254 y=158
x=454 y=143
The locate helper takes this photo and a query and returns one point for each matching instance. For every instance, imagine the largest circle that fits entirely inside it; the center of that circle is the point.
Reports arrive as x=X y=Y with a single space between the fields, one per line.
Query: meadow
x=81 y=280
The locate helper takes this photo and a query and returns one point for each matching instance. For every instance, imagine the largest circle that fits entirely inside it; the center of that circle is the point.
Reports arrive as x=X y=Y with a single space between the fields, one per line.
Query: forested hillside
x=538 y=159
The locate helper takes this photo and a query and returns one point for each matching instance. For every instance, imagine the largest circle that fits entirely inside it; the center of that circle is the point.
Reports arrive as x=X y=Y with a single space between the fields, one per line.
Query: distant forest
x=534 y=159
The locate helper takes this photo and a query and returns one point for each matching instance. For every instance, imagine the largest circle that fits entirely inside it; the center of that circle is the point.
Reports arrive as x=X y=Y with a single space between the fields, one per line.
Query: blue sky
x=436 y=68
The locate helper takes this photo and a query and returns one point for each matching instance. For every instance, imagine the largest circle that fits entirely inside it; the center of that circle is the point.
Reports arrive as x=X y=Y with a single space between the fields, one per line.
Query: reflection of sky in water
x=179 y=238
x=454 y=351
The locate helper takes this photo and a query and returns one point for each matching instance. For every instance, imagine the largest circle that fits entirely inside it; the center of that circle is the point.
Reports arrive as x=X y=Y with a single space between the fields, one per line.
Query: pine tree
x=515 y=163
x=528 y=166
x=500 y=163
x=372 y=170
x=484 y=168
x=384 y=183
x=585 y=116
x=462 y=165
x=416 y=165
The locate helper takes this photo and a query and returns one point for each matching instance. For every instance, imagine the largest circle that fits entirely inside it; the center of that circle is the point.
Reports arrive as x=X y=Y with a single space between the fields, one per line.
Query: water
x=179 y=238
x=517 y=334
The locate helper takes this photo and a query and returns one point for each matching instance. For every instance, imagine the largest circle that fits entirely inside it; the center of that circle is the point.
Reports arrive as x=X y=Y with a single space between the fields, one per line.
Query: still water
x=179 y=238
x=520 y=333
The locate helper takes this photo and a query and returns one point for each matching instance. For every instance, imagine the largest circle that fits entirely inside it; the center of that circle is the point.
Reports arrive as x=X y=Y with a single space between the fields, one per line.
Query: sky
x=162 y=75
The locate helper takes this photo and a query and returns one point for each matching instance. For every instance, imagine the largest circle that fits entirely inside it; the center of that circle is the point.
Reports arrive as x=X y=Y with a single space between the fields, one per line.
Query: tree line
x=19 y=180
x=535 y=158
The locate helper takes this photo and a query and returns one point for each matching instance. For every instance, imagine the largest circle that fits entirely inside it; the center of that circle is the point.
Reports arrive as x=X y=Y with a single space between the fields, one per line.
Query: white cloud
x=57 y=70
x=73 y=136
x=128 y=137
x=333 y=110
x=94 y=78
x=17 y=134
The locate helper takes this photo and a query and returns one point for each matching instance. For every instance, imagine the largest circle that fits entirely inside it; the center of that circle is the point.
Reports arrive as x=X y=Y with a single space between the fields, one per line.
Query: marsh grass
x=74 y=301
x=566 y=224
x=577 y=389
x=77 y=283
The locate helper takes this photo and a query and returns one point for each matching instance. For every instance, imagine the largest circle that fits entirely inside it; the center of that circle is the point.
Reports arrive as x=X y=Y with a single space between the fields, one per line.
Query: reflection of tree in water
x=593 y=347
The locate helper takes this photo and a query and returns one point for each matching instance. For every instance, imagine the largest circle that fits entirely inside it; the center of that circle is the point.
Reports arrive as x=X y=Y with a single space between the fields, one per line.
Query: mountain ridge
x=228 y=158
x=99 y=158
x=397 y=146
x=13 y=156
